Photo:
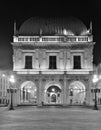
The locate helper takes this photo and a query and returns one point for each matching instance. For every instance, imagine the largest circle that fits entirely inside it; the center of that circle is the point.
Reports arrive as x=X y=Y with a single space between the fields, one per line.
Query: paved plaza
x=51 y=118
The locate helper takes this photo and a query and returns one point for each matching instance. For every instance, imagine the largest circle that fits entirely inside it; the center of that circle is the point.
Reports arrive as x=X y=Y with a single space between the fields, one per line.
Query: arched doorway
x=77 y=93
x=28 y=92
x=52 y=94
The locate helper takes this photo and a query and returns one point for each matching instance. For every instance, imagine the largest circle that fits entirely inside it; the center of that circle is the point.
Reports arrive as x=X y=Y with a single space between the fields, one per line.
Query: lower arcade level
x=53 y=90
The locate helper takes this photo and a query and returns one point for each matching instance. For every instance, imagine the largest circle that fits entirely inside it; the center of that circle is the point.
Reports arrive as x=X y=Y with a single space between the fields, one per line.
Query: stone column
x=88 y=93
x=21 y=95
x=39 y=91
x=25 y=95
x=65 y=92
x=9 y=97
x=17 y=97
x=68 y=90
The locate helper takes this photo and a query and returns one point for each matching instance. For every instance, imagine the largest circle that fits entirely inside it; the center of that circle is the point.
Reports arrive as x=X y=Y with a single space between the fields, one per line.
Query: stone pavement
x=51 y=118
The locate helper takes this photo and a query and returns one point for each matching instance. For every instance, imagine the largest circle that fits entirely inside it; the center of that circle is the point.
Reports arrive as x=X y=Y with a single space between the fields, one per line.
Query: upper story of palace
x=53 y=46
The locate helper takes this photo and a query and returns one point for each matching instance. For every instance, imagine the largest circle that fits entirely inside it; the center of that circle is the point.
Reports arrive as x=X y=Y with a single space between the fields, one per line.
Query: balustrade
x=53 y=39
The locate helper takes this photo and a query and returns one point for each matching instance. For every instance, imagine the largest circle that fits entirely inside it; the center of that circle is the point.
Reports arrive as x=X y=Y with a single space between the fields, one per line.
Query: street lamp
x=11 y=90
x=71 y=95
x=95 y=81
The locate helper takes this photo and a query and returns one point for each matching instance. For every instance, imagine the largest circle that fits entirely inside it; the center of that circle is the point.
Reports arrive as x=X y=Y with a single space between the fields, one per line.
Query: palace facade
x=53 y=62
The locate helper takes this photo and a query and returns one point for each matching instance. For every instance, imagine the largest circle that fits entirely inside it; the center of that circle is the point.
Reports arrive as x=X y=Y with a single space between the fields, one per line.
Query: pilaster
x=65 y=91
x=88 y=93
x=39 y=91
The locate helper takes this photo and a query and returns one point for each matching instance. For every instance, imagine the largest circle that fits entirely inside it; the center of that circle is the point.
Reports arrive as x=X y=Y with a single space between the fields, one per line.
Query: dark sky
x=84 y=10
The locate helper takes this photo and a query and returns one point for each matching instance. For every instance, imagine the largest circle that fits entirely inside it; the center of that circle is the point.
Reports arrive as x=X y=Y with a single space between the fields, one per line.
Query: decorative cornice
x=51 y=46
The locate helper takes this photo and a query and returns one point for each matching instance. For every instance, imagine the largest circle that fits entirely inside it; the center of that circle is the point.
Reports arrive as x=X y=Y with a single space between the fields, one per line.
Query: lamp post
x=71 y=95
x=95 y=81
x=11 y=90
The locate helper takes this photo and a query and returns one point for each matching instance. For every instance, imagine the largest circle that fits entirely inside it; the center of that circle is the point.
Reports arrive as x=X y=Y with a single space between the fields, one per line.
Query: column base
x=65 y=105
x=39 y=105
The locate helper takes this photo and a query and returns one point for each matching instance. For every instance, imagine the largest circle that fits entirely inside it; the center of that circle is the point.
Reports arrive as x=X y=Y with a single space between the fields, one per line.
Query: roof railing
x=53 y=39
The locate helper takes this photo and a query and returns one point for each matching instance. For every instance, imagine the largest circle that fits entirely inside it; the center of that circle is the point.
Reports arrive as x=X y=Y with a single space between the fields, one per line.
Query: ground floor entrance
x=52 y=95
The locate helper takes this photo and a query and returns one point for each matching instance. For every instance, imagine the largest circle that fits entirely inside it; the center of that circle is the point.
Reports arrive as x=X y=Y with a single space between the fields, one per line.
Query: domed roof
x=50 y=26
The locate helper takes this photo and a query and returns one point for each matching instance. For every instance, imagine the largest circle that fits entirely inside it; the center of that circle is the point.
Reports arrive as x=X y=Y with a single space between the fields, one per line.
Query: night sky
x=86 y=11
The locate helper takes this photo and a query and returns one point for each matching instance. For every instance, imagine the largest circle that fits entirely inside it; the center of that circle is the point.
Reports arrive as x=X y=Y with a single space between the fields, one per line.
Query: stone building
x=53 y=62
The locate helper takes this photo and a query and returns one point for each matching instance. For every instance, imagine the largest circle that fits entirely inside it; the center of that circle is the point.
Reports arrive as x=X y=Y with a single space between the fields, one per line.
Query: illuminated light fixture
x=3 y=75
x=68 y=32
x=85 y=32
x=28 y=91
x=71 y=89
x=53 y=90
x=65 y=32
x=12 y=79
x=45 y=90
x=95 y=78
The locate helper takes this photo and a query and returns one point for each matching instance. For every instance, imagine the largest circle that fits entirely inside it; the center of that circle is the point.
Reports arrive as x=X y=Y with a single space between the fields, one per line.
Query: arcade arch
x=77 y=92
x=28 y=92
x=52 y=93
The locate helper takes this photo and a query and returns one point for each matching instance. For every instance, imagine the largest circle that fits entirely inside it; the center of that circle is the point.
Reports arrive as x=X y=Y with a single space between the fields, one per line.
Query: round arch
x=28 y=92
x=79 y=84
x=52 y=93
x=77 y=92
x=27 y=82
x=52 y=84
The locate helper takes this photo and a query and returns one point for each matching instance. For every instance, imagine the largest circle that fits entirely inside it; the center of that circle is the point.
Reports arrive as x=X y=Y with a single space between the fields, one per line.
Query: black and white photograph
x=50 y=65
